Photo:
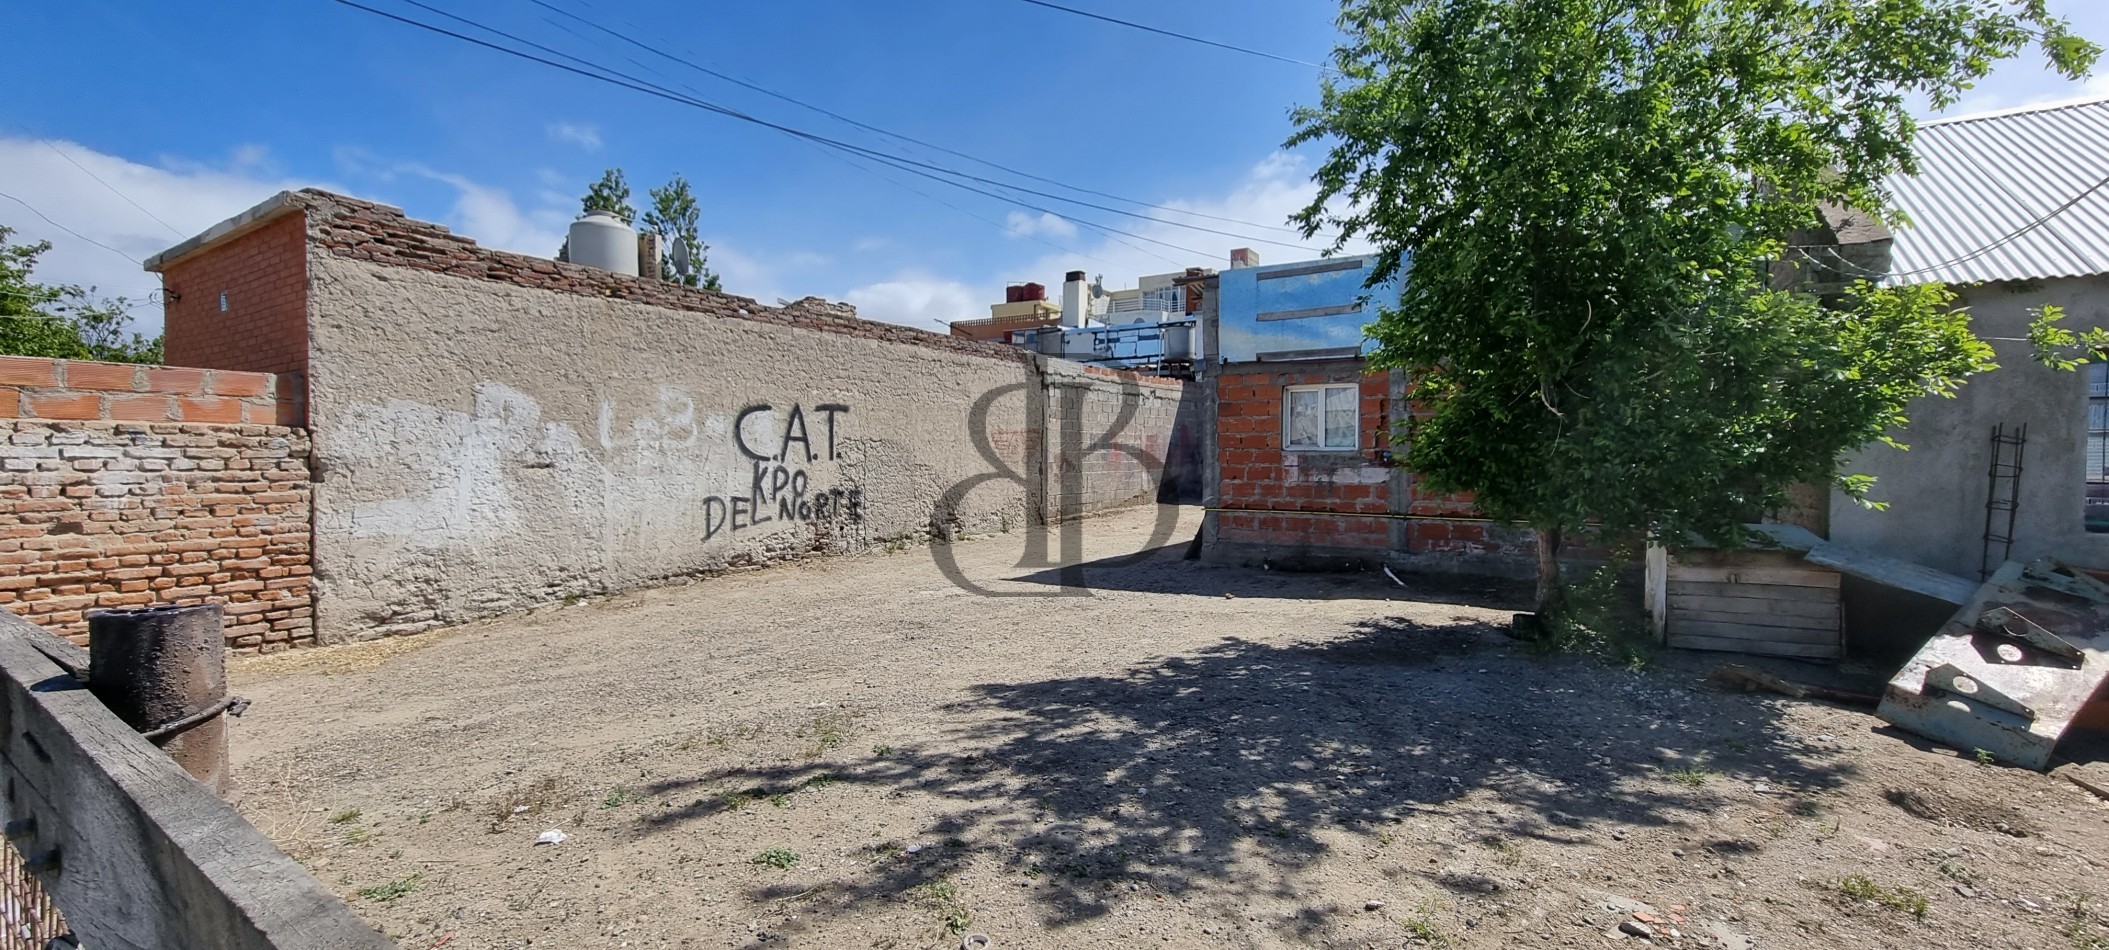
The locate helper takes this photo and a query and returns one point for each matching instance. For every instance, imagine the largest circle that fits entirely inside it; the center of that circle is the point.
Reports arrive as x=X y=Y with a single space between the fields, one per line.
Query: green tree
x=62 y=321
x=611 y=194
x=1586 y=199
x=675 y=215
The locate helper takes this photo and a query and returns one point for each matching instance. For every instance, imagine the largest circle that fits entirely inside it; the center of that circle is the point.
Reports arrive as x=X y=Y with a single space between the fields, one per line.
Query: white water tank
x=600 y=239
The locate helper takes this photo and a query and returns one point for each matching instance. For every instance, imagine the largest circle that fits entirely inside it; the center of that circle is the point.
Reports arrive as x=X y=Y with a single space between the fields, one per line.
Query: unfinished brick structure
x=127 y=486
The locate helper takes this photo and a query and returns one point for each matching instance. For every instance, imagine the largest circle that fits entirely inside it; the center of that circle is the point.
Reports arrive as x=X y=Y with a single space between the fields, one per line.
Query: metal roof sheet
x=1985 y=203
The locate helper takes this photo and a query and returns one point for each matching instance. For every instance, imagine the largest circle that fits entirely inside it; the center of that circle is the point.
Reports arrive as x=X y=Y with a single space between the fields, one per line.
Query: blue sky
x=196 y=110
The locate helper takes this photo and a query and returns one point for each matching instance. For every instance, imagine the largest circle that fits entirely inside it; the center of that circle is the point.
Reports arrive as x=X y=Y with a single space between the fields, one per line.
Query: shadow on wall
x=1217 y=775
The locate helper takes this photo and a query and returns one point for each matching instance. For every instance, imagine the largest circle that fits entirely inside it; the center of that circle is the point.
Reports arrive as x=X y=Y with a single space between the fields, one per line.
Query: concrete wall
x=1114 y=439
x=483 y=447
x=1937 y=490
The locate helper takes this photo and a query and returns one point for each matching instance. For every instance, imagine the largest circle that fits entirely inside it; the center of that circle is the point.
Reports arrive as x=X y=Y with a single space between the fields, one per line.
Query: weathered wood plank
x=1891 y=572
x=1722 y=644
x=1680 y=626
x=1825 y=625
x=148 y=858
x=1741 y=557
x=1754 y=575
x=1784 y=610
x=1762 y=611
x=1770 y=592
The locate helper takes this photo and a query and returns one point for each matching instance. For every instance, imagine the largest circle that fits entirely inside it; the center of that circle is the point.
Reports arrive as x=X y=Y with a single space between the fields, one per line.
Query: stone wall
x=130 y=514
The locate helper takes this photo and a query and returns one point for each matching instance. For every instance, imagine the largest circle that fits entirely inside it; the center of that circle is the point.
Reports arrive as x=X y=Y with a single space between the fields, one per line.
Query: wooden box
x=1769 y=602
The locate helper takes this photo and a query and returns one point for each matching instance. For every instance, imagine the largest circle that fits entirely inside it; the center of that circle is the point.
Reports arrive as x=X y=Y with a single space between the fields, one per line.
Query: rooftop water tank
x=600 y=239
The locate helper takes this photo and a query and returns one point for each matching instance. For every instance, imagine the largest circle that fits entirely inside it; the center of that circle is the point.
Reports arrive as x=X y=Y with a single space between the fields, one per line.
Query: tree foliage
x=611 y=194
x=62 y=321
x=674 y=215
x=1588 y=201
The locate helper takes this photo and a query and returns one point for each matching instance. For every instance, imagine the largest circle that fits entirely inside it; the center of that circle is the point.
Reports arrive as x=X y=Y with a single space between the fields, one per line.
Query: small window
x=1322 y=418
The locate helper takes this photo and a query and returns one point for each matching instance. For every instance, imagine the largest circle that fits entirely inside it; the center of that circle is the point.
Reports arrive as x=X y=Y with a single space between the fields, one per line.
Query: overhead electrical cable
x=1130 y=24
x=923 y=169
x=47 y=220
x=833 y=155
x=896 y=160
x=640 y=44
x=98 y=178
x=2009 y=238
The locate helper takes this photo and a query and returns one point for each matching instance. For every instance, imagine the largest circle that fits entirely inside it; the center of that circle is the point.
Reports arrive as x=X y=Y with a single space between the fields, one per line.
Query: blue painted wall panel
x=1286 y=308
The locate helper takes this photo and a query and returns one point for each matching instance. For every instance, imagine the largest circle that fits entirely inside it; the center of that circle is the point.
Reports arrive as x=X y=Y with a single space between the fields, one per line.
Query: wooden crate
x=1749 y=601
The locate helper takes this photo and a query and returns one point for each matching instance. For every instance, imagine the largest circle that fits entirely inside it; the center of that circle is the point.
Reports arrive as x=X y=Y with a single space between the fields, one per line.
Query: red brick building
x=1301 y=468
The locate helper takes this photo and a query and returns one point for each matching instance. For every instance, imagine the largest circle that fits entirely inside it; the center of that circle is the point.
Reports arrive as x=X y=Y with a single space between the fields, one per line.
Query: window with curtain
x=1322 y=418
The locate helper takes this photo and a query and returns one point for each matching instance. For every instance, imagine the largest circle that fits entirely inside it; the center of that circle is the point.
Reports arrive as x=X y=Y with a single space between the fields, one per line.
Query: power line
x=2009 y=238
x=890 y=134
x=1176 y=35
x=55 y=224
x=895 y=160
x=614 y=78
x=98 y=178
x=866 y=169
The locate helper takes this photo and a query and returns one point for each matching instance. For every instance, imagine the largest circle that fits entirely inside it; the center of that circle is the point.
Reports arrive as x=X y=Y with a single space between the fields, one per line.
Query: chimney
x=1073 y=299
x=1244 y=257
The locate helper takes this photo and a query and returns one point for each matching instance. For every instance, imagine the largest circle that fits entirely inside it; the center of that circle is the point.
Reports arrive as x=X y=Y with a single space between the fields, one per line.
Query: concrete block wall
x=1114 y=439
x=106 y=514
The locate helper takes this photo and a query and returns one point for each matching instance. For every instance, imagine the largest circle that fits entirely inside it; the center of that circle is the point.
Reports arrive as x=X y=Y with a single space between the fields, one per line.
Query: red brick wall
x=1332 y=499
x=1298 y=498
x=124 y=486
x=264 y=275
x=127 y=514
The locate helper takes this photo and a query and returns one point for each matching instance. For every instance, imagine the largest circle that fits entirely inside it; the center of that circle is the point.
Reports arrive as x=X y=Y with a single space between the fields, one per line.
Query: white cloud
x=577 y=133
x=189 y=196
x=918 y=300
x=491 y=217
x=1259 y=204
x=1044 y=224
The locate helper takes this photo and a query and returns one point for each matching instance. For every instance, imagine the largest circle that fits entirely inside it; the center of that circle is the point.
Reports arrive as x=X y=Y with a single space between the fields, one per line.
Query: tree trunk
x=1550 y=590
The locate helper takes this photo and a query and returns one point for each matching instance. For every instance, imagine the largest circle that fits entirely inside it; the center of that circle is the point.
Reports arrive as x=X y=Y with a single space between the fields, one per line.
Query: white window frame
x=1354 y=443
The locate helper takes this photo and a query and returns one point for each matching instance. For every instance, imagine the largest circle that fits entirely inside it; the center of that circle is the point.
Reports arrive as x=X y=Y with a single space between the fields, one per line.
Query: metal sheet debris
x=2012 y=669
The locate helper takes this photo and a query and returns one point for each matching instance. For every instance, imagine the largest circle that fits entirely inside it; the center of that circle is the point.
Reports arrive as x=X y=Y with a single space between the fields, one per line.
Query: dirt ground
x=858 y=753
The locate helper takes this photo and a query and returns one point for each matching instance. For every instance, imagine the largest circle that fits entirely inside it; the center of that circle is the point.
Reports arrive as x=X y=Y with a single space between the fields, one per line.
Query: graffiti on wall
x=780 y=462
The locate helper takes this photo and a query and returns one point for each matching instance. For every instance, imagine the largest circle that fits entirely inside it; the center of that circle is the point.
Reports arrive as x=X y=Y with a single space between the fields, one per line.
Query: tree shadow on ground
x=1165 y=570
x=1220 y=774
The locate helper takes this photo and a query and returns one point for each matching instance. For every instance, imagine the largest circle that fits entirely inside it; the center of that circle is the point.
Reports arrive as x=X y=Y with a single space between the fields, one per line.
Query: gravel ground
x=858 y=753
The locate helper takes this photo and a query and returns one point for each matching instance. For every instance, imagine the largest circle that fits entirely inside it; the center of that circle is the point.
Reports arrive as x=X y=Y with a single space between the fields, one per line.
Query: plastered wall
x=483 y=447
x=1936 y=492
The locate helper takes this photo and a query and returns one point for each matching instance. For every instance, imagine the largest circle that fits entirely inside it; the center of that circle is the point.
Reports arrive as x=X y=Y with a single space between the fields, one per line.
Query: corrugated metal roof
x=1982 y=178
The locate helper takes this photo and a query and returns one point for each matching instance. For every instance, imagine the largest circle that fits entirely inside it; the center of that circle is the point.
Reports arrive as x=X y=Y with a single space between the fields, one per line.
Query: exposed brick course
x=124 y=514
x=78 y=390
x=367 y=231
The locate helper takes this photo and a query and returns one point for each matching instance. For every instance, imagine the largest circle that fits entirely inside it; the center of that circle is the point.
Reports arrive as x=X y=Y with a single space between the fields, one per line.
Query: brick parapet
x=84 y=391
x=356 y=229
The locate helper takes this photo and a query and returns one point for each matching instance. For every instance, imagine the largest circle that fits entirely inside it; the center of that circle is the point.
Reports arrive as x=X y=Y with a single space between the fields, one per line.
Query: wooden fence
x=134 y=852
